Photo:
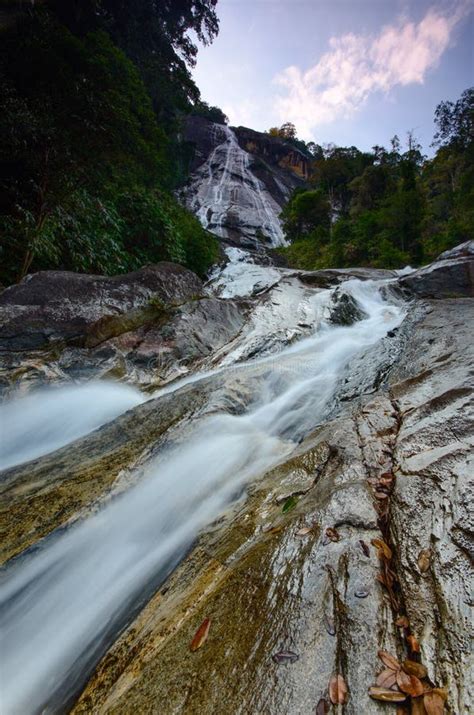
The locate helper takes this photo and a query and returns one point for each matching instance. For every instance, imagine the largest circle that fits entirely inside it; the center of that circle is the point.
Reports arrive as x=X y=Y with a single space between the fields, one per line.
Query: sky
x=349 y=72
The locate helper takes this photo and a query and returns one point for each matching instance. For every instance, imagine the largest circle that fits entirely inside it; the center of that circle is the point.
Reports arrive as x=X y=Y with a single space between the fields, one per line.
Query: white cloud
x=356 y=66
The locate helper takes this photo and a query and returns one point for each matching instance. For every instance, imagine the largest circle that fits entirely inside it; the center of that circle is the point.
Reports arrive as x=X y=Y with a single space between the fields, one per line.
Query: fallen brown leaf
x=304 y=530
x=413 y=643
x=323 y=707
x=201 y=635
x=337 y=690
x=409 y=684
x=364 y=548
x=442 y=692
x=273 y=529
x=380 y=495
x=387 y=678
x=285 y=656
x=388 y=660
x=383 y=548
x=332 y=534
x=424 y=560
x=417 y=707
x=388 y=696
x=402 y=622
x=413 y=668
x=434 y=703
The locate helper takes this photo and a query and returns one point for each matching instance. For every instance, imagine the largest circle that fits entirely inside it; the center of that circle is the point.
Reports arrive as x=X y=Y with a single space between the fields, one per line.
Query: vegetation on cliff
x=387 y=208
x=91 y=99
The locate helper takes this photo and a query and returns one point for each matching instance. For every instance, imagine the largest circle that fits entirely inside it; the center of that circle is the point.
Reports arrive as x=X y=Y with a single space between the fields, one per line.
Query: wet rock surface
x=146 y=327
x=269 y=584
x=291 y=567
x=239 y=182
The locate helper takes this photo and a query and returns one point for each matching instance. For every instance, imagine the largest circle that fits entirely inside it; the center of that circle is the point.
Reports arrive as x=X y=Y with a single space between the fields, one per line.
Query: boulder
x=451 y=276
x=61 y=305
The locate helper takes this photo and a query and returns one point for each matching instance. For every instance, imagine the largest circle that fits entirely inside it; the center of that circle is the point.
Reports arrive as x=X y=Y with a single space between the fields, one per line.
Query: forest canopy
x=92 y=96
x=388 y=207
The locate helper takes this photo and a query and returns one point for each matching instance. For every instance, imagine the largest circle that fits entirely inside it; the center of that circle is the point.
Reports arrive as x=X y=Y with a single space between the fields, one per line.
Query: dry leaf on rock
x=417 y=707
x=304 y=531
x=434 y=703
x=383 y=548
x=403 y=622
x=413 y=643
x=337 y=690
x=323 y=707
x=201 y=635
x=332 y=534
x=387 y=678
x=364 y=548
x=424 y=560
x=388 y=696
x=409 y=684
x=413 y=668
x=285 y=656
x=388 y=660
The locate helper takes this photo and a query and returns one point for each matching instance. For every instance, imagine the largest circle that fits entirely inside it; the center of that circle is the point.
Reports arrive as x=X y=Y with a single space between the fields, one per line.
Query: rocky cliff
x=239 y=181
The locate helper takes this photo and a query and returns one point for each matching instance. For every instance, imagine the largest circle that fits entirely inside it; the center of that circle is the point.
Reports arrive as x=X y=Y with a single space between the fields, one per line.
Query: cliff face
x=240 y=179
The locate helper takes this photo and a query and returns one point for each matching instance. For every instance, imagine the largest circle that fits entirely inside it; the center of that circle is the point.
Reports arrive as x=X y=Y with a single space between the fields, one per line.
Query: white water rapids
x=60 y=603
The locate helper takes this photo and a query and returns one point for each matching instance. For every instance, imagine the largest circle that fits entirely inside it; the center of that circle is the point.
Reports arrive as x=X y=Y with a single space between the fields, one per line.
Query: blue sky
x=344 y=71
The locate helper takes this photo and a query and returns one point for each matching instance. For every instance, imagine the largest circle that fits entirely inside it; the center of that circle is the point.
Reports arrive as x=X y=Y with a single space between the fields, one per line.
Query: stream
x=63 y=603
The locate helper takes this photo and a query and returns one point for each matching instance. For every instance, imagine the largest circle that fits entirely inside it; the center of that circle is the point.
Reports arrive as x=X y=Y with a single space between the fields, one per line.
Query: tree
x=214 y=114
x=306 y=213
x=455 y=122
x=286 y=131
x=79 y=143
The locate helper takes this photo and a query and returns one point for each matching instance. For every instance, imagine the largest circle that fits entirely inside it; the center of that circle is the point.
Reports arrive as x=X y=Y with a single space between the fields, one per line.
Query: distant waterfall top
x=227 y=197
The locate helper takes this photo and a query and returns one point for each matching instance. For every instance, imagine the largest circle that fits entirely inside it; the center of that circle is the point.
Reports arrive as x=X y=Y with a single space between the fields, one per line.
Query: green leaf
x=290 y=504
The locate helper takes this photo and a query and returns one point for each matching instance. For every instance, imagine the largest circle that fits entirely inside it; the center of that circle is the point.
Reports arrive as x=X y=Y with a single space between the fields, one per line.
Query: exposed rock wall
x=240 y=180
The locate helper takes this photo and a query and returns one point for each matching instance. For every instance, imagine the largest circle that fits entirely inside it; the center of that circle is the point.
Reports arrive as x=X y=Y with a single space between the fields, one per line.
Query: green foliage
x=86 y=165
x=214 y=114
x=387 y=208
x=305 y=213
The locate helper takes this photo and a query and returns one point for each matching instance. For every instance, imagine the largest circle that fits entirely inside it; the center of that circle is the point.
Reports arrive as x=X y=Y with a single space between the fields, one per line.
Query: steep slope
x=240 y=180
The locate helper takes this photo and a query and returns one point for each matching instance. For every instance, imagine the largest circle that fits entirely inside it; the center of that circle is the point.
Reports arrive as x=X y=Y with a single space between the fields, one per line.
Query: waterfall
x=62 y=603
x=225 y=194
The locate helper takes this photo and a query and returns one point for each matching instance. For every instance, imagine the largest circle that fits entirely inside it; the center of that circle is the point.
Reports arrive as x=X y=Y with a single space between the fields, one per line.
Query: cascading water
x=46 y=420
x=224 y=190
x=62 y=604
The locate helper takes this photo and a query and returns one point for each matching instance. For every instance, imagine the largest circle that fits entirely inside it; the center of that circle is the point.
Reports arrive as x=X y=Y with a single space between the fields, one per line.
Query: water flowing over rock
x=240 y=182
x=330 y=413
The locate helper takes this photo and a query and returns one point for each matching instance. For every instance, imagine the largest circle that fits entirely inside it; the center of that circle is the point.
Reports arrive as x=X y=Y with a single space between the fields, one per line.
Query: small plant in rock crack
x=407 y=683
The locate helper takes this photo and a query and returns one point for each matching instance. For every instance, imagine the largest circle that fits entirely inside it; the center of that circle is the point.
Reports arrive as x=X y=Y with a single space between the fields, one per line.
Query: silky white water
x=50 y=418
x=57 y=603
x=224 y=187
